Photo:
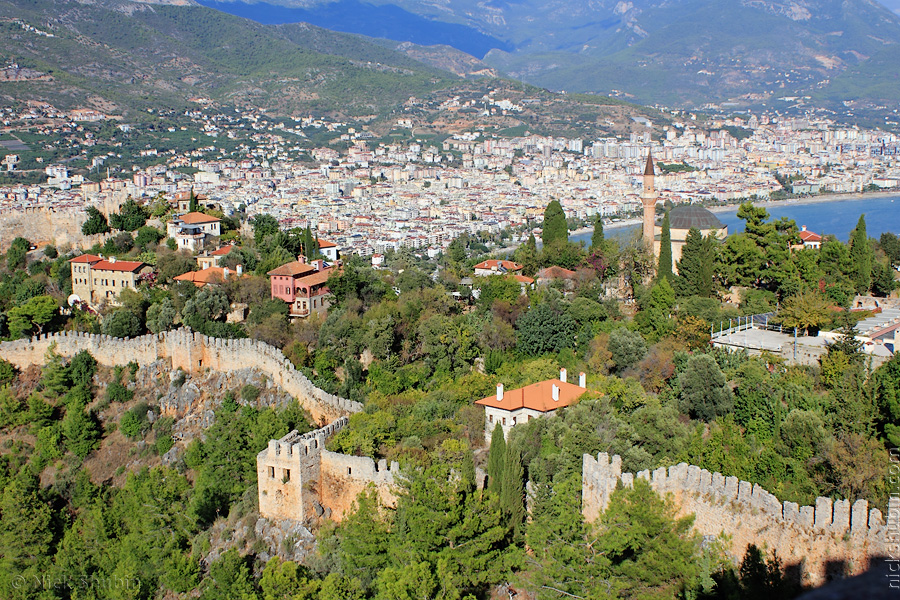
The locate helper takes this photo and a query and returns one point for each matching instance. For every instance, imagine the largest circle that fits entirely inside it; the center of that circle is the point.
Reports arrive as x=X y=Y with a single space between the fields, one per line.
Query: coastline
x=819 y=199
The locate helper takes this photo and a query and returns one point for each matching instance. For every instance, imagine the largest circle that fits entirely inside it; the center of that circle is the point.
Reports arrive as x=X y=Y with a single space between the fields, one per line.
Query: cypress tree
x=664 y=270
x=861 y=257
x=555 y=228
x=512 y=492
x=193 y=205
x=496 y=459
x=598 y=236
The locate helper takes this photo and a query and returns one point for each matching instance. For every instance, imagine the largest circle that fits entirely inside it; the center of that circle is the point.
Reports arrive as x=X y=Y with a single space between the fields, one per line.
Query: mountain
x=122 y=55
x=670 y=51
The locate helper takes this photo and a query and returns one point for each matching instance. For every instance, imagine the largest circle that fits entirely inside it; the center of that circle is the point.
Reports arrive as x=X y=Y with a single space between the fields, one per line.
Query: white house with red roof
x=212 y=258
x=194 y=230
x=541 y=399
x=810 y=239
x=497 y=267
x=97 y=280
x=329 y=250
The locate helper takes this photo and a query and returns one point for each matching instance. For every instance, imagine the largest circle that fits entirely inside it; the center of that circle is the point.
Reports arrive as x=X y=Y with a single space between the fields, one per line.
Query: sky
x=894 y=5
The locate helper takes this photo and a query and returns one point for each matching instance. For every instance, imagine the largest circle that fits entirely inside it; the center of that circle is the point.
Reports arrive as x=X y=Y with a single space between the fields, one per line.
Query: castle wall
x=825 y=538
x=191 y=352
x=288 y=473
x=299 y=479
x=343 y=477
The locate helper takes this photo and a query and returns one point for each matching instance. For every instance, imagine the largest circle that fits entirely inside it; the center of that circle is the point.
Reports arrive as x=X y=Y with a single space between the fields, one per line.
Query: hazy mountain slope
x=139 y=55
x=674 y=51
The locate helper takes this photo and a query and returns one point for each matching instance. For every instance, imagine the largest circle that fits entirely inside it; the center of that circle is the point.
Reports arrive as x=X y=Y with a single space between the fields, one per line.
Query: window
x=504 y=420
x=349 y=471
x=490 y=418
x=514 y=420
x=272 y=472
x=286 y=475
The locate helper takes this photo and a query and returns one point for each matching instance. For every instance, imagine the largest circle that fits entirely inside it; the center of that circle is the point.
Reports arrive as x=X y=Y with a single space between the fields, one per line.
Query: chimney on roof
x=554 y=391
x=225 y=273
x=499 y=392
x=112 y=259
x=240 y=270
x=582 y=380
x=301 y=259
x=562 y=375
x=803 y=228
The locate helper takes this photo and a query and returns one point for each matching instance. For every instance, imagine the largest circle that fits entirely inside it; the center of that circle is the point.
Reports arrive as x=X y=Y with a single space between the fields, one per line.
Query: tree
x=171 y=264
x=890 y=243
x=35 y=314
x=131 y=216
x=81 y=431
x=161 y=316
x=598 y=236
x=528 y=256
x=627 y=347
x=697 y=265
x=704 y=391
x=655 y=317
x=148 y=236
x=122 y=324
x=496 y=459
x=883 y=282
x=209 y=304
x=512 y=491
x=95 y=223
x=808 y=310
x=664 y=268
x=543 y=329
x=887 y=393
x=651 y=551
x=861 y=257
x=15 y=256
x=264 y=226
x=193 y=205
x=554 y=227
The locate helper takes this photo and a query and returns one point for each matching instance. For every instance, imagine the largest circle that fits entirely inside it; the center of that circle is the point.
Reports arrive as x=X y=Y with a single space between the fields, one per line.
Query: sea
x=829 y=217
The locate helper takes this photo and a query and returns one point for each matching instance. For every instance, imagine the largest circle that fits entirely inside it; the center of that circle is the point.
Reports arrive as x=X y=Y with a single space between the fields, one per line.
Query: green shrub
x=250 y=393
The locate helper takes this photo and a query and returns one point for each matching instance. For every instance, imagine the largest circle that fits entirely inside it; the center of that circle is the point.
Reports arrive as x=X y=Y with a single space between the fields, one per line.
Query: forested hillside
x=418 y=357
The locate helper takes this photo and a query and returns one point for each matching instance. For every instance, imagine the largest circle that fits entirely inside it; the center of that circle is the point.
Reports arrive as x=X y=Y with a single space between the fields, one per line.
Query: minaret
x=648 y=199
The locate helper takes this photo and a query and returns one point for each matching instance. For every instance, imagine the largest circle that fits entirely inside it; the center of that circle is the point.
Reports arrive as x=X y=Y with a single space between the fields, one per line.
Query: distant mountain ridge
x=671 y=51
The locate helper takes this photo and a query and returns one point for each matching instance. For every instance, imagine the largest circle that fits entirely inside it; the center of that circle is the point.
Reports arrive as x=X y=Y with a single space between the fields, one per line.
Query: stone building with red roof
x=97 y=280
x=541 y=399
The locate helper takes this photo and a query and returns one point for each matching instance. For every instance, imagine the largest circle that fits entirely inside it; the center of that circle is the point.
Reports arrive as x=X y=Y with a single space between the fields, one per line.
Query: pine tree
x=555 y=228
x=664 y=269
x=598 y=236
x=861 y=257
x=496 y=459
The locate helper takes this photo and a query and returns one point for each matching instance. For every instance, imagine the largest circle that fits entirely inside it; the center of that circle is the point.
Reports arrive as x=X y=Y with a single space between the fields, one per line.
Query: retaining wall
x=830 y=538
x=191 y=352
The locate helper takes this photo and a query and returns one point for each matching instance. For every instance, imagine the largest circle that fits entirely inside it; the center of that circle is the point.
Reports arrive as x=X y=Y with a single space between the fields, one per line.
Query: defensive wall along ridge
x=830 y=538
x=299 y=479
x=191 y=352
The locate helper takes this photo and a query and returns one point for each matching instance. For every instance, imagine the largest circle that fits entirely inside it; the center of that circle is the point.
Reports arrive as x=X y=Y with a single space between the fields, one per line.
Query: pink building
x=302 y=286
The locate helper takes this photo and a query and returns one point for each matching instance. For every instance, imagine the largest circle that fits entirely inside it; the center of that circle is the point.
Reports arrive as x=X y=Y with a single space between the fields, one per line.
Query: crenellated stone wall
x=830 y=538
x=299 y=479
x=191 y=352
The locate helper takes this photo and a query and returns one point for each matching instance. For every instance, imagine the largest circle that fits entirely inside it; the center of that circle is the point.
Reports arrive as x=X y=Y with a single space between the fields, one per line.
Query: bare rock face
x=286 y=539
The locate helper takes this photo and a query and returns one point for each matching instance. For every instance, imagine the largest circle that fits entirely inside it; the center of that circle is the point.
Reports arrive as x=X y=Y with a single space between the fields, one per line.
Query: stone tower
x=648 y=199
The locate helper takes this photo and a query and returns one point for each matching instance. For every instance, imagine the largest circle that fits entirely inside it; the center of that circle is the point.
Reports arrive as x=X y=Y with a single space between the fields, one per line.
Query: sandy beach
x=820 y=199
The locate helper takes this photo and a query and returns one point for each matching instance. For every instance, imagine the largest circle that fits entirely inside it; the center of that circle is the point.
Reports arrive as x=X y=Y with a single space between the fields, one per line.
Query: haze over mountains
x=671 y=51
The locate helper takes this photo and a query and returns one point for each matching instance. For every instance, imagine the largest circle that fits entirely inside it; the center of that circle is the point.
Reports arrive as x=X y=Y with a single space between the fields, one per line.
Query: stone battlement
x=832 y=535
x=298 y=479
x=191 y=352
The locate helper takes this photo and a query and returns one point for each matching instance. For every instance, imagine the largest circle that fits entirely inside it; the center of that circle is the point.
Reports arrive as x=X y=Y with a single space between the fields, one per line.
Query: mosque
x=682 y=219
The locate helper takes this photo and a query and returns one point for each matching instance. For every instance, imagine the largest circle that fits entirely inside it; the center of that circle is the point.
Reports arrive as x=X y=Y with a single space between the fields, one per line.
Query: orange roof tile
x=537 y=396
x=223 y=250
x=496 y=264
x=326 y=244
x=293 y=269
x=524 y=279
x=196 y=218
x=205 y=276
x=119 y=265
x=86 y=258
